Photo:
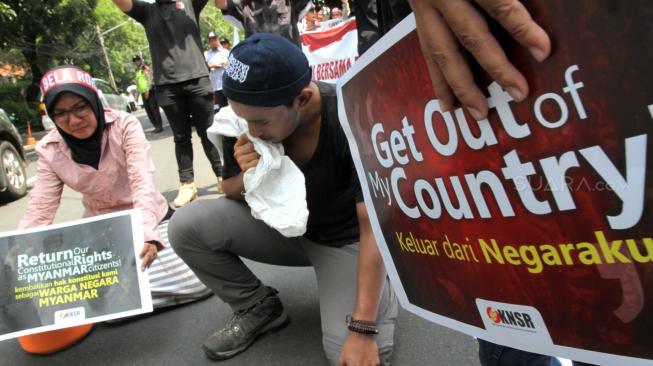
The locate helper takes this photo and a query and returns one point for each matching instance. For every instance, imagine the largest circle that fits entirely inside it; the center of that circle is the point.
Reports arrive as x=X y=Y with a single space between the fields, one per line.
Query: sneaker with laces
x=245 y=327
x=187 y=193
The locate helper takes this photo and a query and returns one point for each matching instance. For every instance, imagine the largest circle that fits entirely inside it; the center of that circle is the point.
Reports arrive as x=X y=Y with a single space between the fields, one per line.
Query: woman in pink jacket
x=104 y=155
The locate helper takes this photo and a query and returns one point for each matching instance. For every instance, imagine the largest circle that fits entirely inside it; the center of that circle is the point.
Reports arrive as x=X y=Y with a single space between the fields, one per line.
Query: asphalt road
x=174 y=337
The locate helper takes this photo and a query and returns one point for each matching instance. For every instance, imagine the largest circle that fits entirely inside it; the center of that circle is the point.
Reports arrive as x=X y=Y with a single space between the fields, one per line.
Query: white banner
x=331 y=52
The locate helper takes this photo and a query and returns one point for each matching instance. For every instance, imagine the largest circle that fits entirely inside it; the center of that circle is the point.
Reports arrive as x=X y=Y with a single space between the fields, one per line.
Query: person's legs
x=337 y=272
x=149 y=109
x=174 y=101
x=152 y=110
x=212 y=235
x=200 y=103
x=492 y=354
x=175 y=105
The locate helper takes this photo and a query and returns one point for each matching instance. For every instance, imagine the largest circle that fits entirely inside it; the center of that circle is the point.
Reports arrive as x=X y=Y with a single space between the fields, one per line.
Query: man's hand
x=444 y=25
x=124 y=5
x=359 y=350
x=221 y=4
x=148 y=255
x=245 y=154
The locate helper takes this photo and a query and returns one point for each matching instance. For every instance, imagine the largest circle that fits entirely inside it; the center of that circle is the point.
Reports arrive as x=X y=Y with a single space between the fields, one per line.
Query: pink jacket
x=124 y=180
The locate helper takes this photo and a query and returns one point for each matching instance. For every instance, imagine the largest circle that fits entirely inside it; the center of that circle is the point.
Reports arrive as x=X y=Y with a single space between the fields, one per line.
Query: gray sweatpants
x=212 y=235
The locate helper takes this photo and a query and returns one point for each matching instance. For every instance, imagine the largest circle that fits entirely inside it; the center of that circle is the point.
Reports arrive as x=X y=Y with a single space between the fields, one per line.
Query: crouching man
x=272 y=90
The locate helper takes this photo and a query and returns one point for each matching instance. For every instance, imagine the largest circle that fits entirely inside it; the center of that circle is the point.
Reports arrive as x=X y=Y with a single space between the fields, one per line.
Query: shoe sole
x=271 y=327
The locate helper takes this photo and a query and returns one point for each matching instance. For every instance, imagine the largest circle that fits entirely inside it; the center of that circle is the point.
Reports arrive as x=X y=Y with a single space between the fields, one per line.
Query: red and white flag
x=331 y=52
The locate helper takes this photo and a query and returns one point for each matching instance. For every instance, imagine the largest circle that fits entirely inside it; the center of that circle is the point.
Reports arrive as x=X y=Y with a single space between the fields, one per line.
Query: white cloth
x=274 y=189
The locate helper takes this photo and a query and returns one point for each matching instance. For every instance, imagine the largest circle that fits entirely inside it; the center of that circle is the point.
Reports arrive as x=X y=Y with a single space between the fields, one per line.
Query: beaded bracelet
x=361 y=326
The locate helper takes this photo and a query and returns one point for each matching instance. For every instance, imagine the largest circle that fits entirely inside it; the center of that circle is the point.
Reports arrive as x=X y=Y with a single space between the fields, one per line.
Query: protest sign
x=74 y=273
x=331 y=52
x=531 y=228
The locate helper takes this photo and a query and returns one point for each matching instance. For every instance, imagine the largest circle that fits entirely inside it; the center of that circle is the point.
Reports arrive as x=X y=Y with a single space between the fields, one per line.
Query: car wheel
x=13 y=171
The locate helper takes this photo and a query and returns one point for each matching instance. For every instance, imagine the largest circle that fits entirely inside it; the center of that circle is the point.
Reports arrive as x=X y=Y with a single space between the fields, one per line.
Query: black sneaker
x=158 y=129
x=245 y=326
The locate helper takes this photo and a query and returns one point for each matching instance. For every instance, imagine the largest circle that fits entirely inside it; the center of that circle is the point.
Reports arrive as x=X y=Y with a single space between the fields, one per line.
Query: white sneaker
x=187 y=193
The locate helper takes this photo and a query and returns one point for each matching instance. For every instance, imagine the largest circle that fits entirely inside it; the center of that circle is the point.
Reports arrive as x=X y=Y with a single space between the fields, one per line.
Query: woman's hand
x=245 y=154
x=148 y=255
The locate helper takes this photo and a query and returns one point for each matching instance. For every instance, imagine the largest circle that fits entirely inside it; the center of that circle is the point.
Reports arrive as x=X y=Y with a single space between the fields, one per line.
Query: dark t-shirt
x=172 y=29
x=332 y=186
x=268 y=16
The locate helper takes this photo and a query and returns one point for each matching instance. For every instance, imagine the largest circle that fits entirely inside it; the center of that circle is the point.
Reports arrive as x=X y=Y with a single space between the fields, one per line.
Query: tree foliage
x=122 y=44
x=52 y=32
x=44 y=31
x=40 y=34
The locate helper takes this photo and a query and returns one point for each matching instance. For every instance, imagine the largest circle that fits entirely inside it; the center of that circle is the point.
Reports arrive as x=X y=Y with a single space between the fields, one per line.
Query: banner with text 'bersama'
x=532 y=228
x=69 y=274
x=331 y=52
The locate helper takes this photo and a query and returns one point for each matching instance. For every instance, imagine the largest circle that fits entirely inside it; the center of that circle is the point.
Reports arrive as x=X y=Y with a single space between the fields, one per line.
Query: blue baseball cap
x=265 y=70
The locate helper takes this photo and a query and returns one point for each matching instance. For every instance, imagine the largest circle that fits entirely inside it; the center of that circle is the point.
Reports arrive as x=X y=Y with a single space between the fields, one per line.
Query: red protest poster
x=531 y=228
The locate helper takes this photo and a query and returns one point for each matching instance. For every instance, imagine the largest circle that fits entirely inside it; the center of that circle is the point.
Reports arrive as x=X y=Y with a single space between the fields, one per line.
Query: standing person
x=181 y=77
x=103 y=154
x=131 y=101
x=309 y=22
x=145 y=87
x=216 y=58
x=268 y=83
x=224 y=42
x=342 y=14
x=266 y=16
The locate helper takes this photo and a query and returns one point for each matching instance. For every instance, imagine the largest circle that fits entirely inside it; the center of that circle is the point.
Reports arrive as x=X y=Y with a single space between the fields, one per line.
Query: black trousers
x=188 y=104
x=152 y=109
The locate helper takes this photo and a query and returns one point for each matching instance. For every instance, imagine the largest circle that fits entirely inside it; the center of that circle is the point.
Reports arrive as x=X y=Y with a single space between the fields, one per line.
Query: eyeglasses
x=80 y=110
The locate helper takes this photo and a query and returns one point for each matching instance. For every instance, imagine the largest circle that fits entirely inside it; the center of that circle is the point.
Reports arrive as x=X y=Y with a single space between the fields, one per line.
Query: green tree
x=122 y=44
x=211 y=19
x=44 y=31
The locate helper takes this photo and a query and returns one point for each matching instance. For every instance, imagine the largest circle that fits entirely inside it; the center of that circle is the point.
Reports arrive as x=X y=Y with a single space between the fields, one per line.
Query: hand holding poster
x=531 y=228
x=69 y=274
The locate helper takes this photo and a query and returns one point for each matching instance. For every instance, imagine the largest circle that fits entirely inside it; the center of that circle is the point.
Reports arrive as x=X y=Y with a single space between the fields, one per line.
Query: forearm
x=371 y=271
x=221 y=4
x=234 y=187
x=371 y=278
x=44 y=199
x=346 y=11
